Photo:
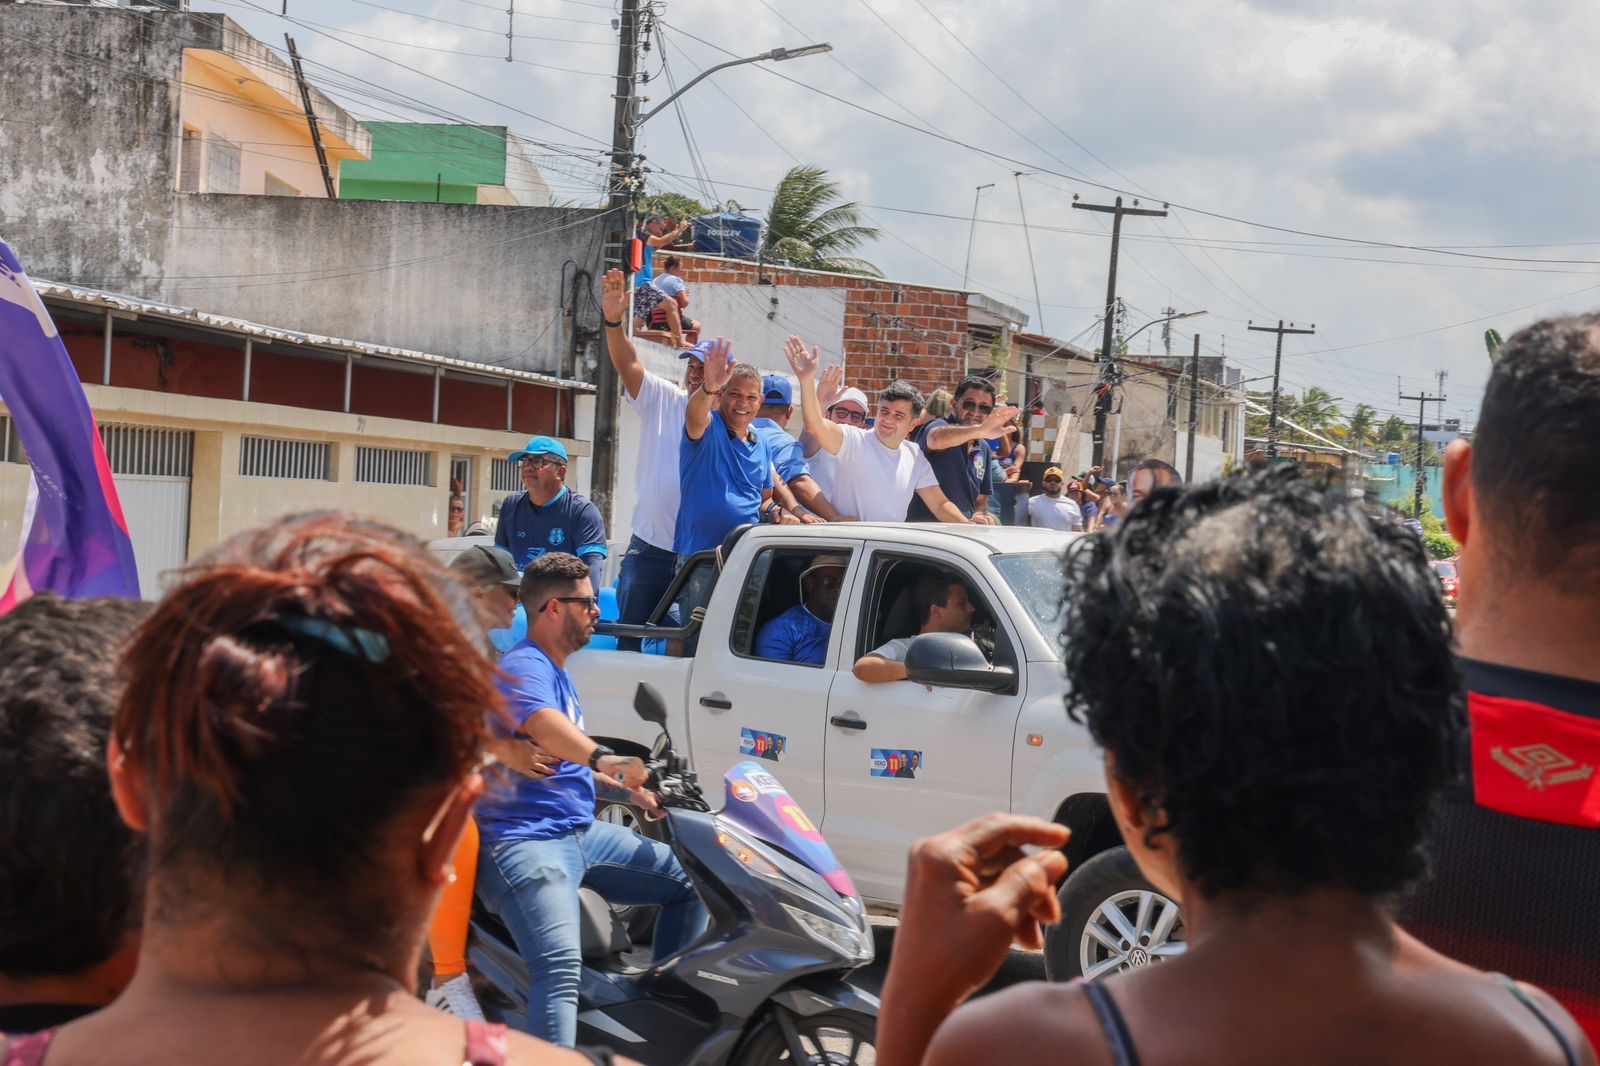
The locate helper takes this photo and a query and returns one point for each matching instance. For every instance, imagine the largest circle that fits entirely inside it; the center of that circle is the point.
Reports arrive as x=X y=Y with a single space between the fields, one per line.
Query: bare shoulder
x=1060 y=1026
x=1562 y=1019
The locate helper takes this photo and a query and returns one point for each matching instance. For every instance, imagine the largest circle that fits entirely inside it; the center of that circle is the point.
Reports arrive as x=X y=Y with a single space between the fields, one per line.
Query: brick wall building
x=882 y=329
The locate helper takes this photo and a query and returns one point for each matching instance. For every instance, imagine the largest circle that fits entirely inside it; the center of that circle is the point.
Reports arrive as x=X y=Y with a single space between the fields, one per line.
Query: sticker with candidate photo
x=762 y=745
x=896 y=762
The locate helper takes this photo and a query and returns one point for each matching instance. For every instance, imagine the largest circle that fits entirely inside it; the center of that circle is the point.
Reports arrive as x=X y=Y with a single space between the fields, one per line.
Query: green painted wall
x=425 y=161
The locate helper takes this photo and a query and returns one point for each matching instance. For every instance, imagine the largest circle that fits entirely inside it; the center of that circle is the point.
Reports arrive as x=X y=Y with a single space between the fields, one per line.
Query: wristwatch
x=600 y=751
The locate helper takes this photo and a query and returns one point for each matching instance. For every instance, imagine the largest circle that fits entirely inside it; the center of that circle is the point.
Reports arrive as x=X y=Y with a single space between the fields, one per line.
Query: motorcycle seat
x=601 y=935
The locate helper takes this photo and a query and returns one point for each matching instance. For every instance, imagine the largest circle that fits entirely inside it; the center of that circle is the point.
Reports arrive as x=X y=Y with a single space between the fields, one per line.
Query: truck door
x=904 y=760
x=759 y=688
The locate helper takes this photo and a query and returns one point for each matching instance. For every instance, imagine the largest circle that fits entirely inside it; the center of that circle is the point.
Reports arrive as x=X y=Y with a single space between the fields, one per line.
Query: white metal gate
x=152 y=466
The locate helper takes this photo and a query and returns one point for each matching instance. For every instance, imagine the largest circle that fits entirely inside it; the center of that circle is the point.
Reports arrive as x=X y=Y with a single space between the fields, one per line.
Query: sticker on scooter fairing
x=765 y=783
x=762 y=745
x=743 y=790
x=896 y=762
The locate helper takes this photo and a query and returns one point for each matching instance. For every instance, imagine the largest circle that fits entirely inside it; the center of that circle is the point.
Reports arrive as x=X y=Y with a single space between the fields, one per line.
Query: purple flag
x=75 y=539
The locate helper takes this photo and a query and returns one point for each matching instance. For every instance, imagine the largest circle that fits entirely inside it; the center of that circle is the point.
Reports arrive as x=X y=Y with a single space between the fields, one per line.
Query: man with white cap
x=649 y=564
x=847 y=407
x=800 y=634
x=548 y=517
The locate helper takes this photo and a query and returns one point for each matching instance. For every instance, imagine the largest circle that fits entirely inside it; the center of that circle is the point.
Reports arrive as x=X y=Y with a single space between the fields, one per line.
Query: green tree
x=1492 y=341
x=1395 y=431
x=1316 y=411
x=810 y=226
x=1360 y=428
x=673 y=205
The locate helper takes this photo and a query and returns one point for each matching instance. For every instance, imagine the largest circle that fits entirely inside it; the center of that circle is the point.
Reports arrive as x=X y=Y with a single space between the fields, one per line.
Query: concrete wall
x=88 y=180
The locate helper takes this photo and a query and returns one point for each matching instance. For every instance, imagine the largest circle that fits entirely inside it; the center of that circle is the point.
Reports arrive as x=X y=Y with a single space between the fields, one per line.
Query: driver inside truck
x=942 y=605
x=800 y=634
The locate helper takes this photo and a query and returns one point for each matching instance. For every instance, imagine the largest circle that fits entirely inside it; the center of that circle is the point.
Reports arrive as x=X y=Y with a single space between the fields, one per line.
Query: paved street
x=1021 y=966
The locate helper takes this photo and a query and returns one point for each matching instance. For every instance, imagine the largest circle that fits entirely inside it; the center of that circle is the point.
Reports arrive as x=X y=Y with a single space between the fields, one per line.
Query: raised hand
x=803 y=362
x=719 y=364
x=999 y=418
x=614 y=296
x=830 y=386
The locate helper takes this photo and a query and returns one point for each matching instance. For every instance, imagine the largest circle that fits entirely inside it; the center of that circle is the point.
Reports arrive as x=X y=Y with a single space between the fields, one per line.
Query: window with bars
x=222 y=173
x=276 y=457
x=505 y=476
x=393 y=466
x=152 y=451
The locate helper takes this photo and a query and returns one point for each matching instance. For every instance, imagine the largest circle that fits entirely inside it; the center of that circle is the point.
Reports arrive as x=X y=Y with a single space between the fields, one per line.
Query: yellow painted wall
x=270 y=129
x=222 y=502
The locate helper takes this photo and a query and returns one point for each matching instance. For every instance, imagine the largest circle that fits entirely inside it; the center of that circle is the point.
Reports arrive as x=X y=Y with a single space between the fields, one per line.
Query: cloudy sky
x=1464 y=129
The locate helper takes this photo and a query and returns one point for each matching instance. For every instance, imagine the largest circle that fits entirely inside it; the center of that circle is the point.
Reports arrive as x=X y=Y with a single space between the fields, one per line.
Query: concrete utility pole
x=1277 y=367
x=1422 y=402
x=1194 y=407
x=1108 y=354
x=619 y=230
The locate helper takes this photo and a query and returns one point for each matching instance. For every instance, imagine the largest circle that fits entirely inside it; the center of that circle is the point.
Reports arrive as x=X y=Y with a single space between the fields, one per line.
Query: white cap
x=855 y=396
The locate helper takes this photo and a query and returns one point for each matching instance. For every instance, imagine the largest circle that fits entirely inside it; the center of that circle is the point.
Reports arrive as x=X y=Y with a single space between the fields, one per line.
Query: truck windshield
x=1038 y=579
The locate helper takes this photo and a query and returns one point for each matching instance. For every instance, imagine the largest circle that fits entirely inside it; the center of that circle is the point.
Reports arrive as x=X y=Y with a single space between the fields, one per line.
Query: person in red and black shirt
x=1517 y=849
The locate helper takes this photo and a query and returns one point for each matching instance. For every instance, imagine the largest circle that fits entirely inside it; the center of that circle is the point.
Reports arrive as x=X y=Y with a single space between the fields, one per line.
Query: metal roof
x=222 y=323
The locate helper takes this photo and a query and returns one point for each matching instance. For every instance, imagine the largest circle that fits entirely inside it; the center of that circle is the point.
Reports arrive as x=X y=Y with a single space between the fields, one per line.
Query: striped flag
x=75 y=539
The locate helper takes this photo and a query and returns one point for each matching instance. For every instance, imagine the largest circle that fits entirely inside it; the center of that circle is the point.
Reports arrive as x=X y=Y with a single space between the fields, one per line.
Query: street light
x=777 y=55
x=1158 y=321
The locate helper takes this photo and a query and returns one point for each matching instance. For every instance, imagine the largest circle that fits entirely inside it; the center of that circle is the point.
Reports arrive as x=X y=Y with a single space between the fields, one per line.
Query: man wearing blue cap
x=650 y=563
x=795 y=487
x=548 y=517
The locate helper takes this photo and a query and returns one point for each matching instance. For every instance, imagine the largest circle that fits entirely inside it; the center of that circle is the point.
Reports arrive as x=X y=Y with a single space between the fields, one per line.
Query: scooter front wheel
x=832 y=1038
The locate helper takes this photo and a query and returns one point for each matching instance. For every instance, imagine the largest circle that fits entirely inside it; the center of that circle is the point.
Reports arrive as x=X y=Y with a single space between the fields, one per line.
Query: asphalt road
x=1020 y=966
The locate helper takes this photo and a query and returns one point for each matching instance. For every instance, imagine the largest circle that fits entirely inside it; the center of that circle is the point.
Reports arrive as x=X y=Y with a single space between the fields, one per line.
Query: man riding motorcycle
x=541 y=842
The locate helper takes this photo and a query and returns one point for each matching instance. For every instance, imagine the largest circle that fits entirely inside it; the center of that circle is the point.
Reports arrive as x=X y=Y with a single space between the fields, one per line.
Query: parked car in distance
x=1449 y=579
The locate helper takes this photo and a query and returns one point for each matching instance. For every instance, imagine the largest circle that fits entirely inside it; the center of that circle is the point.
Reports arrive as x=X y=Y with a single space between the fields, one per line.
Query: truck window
x=786 y=607
x=890 y=605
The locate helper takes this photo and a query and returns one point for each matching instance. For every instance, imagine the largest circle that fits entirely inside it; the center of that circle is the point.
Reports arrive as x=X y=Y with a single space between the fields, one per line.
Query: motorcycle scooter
x=766 y=983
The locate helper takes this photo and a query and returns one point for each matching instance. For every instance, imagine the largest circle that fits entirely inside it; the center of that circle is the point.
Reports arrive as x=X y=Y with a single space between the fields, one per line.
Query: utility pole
x=311 y=116
x=1422 y=402
x=1194 y=407
x=1277 y=367
x=619 y=230
x=1108 y=354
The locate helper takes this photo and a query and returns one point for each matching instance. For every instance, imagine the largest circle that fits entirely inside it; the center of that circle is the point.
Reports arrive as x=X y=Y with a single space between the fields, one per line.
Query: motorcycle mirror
x=648 y=704
x=663 y=742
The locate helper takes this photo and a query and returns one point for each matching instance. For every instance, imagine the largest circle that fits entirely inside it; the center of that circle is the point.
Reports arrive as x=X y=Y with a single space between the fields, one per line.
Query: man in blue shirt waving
x=724 y=465
x=548 y=517
x=540 y=838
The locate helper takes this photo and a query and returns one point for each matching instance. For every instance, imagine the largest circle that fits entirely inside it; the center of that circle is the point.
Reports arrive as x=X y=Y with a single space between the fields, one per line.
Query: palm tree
x=1360 y=426
x=1316 y=411
x=1395 y=431
x=809 y=227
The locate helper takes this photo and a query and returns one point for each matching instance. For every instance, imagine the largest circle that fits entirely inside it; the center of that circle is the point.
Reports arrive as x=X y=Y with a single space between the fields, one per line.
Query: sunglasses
x=847 y=415
x=590 y=602
x=1048 y=480
x=970 y=406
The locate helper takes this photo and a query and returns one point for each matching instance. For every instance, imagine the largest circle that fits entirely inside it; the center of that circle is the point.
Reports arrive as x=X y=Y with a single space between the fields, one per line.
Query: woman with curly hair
x=1270 y=674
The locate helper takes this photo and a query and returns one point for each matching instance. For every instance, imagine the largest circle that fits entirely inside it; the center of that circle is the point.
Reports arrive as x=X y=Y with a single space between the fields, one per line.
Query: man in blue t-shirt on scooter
x=541 y=842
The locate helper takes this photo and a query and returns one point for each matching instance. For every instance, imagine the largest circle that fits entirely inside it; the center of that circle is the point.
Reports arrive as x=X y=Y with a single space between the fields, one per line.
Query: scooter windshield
x=759 y=803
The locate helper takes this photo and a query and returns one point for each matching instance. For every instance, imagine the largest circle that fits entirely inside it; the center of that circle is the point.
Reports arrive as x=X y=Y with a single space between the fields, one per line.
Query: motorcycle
x=766 y=983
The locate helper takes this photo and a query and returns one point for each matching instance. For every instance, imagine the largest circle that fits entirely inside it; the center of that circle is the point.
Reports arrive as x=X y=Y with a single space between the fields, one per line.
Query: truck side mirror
x=950 y=660
x=648 y=704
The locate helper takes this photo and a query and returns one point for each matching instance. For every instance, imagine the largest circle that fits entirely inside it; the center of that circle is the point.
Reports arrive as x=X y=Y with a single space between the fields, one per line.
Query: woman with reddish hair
x=300 y=741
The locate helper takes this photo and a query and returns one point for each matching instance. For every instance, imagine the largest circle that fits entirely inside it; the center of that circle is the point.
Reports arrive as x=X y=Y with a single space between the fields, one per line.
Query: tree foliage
x=810 y=225
x=674 y=205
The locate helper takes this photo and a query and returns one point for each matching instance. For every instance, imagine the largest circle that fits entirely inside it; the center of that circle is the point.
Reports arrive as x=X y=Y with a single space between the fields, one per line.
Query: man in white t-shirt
x=1052 y=509
x=879 y=470
x=648 y=567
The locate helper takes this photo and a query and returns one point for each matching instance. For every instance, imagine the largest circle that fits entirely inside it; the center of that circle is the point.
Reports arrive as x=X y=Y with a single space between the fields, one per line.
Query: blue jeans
x=646 y=573
x=533 y=886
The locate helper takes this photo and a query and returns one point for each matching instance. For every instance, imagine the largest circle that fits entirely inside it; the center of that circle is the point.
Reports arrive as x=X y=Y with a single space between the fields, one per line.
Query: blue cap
x=776 y=390
x=699 y=351
x=540 y=446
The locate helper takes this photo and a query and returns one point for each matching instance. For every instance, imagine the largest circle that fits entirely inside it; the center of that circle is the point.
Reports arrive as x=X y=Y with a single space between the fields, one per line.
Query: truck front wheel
x=1112 y=920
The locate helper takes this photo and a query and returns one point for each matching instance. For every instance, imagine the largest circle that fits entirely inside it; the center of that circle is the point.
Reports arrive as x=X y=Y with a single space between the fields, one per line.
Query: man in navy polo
x=548 y=517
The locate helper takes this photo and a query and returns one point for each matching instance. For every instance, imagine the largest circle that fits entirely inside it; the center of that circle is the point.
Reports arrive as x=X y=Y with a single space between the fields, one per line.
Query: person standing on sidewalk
x=549 y=517
x=649 y=564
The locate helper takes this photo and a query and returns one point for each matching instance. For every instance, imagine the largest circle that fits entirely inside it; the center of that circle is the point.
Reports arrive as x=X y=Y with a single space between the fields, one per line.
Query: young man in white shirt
x=648 y=567
x=879 y=470
x=1054 y=509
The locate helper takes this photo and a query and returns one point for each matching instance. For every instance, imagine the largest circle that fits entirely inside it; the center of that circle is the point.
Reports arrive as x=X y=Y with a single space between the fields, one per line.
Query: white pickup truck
x=879 y=765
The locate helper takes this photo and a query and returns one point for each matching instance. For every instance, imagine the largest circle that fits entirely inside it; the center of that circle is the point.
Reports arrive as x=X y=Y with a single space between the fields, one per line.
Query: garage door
x=152 y=466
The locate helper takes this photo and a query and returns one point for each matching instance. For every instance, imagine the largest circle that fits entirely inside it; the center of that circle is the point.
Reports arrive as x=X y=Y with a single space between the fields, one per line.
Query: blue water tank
x=1394 y=459
x=728 y=234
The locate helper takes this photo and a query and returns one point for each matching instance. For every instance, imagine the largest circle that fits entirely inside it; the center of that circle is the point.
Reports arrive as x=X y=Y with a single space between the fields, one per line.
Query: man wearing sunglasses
x=957 y=448
x=540 y=840
x=547 y=517
x=800 y=634
x=1055 y=508
x=847 y=407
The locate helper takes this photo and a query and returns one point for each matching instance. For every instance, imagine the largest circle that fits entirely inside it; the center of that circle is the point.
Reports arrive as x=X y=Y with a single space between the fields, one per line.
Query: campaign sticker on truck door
x=762 y=745
x=896 y=762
